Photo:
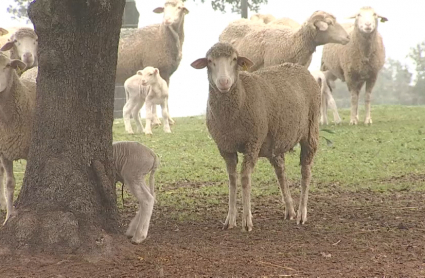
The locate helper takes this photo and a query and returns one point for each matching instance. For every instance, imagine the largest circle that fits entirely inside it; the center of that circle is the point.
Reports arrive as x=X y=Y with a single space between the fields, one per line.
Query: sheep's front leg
x=9 y=187
x=2 y=188
x=278 y=163
x=368 y=94
x=149 y=115
x=248 y=164
x=165 y=116
x=146 y=203
x=354 y=118
x=231 y=160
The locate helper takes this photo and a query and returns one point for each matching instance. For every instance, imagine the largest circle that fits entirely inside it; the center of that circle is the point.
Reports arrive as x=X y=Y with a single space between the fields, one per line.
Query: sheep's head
x=222 y=62
x=367 y=20
x=327 y=29
x=174 y=12
x=7 y=69
x=23 y=45
x=149 y=75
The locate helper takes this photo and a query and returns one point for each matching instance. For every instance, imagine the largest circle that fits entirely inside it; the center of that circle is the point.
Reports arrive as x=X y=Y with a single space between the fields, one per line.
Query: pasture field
x=365 y=213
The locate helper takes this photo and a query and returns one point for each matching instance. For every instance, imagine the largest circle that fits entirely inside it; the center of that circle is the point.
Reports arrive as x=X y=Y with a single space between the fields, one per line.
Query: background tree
x=18 y=9
x=417 y=54
x=63 y=206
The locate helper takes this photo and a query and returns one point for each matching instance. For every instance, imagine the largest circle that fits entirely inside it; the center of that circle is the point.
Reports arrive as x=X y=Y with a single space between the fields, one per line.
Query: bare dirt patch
x=362 y=234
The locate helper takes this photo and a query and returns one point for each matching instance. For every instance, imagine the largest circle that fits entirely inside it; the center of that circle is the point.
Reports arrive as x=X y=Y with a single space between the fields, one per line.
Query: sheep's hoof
x=171 y=121
x=167 y=131
x=130 y=131
x=368 y=121
x=148 y=134
x=353 y=122
x=290 y=214
x=138 y=241
x=229 y=224
x=301 y=217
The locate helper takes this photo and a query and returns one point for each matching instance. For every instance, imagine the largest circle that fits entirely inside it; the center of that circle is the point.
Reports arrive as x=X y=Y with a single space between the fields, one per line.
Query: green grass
x=192 y=174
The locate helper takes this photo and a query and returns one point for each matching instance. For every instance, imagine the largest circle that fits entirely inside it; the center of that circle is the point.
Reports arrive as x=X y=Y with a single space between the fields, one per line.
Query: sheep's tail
x=152 y=174
x=127 y=94
x=309 y=145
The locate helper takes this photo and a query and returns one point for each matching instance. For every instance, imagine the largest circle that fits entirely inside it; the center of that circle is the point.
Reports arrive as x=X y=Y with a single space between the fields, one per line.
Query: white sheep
x=16 y=117
x=263 y=18
x=274 y=46
x=23 y=45
x=238 y=29
x=286 y=22
x=359 y=61
x=327 y=98
x=261 y=114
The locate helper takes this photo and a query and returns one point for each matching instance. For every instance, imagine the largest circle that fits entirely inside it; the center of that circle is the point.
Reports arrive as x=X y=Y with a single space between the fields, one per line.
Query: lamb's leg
x=278 y=163
x=155 y=119
x=126 y=111
x=146 y=203
x=308 y=150
x=248 y=164
x=331 y=103
x=369 y=86
x=149 y=115
x=135 y=112
x=324 y=110
x=165 y=116
x=2 y=188
x=131 y=230
x=231 y=160
x=9 y=187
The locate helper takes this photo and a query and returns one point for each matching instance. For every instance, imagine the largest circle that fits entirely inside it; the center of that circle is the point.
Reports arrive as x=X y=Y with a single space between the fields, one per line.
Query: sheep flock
x=262 y=98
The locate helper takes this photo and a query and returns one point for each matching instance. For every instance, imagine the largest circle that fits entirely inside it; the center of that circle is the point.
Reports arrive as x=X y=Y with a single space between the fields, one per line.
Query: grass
x=192 y=175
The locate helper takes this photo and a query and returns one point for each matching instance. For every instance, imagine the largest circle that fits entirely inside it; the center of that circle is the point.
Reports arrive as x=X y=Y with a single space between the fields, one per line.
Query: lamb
x=263 y=18
x=273 y=46
x=146 y=85
x=133 y=161
x=359 y=61
x=23 y=45
x=158 y=45
x=261 y=114
x=16 y=113
x=327 y=98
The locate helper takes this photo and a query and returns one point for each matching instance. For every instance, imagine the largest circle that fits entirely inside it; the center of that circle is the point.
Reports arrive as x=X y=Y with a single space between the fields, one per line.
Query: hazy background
x=203 y=25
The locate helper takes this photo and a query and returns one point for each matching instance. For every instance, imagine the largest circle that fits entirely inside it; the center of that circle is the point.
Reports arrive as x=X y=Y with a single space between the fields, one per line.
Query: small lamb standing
x=327 y=98
x=132 y=162
x=261 y=114
x=359 y=61
x=16 y=117
x=23 y=45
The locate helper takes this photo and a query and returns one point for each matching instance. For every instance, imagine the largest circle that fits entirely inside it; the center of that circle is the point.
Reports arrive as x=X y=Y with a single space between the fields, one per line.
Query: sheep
x=359 y=61
x=263 y=18
x=260 y=114
x=286 y=22
x=136 y=94
x=16 y=113
x=133 y=161
x=158 y=45
x=273 y=46
x=327 y=98
x=30 y=74
x=23 y=45
x=238 y=29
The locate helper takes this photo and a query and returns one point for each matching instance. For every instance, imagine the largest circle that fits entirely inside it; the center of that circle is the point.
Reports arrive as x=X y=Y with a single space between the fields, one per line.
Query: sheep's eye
x=374 y=14
x=209 y=61
x=234 y=59
x=359 y=15
x=150 y=74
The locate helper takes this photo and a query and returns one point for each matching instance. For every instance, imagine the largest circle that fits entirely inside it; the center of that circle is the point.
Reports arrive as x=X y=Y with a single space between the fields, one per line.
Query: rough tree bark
x=63 y=206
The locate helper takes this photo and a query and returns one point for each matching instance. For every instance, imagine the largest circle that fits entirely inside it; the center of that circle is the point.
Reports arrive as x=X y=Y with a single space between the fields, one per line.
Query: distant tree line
x=396 y=83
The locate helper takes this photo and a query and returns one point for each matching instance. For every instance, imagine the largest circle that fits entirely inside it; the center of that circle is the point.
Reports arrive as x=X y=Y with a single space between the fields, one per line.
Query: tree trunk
x=63 y=206
x=244 y=8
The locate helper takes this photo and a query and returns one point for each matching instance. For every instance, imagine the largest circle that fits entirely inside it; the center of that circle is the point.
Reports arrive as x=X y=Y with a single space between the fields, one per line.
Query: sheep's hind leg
x=146 y=203
x=248 y=165
x=131 y=230
x=9 y=188
x=2 y=188
x=231 y=160
x=278 y=163
x=155 y=120
x=126 y=111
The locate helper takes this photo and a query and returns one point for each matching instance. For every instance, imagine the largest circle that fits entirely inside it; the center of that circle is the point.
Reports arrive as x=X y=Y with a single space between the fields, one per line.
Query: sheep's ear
x=156 y=71
x=383 y=18
x=352 y=17
x=186 y=11
x=200 y=63
x=14 y=64
x=8 y=46
x=3 y=32
x=159 y=10
x=321 y=25
x=245 y=63
x=139 y=72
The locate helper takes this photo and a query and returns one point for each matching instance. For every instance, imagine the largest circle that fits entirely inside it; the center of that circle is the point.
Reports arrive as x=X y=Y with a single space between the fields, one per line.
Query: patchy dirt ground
x=362 y=234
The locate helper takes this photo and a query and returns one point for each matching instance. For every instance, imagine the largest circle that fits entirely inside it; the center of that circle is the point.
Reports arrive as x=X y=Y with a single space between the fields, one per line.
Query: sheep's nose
x=27 y=55
x=368 y=24
x=223 y=81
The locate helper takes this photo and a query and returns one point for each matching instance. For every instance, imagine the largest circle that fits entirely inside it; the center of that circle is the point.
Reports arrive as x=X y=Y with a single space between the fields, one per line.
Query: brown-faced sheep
x=359 y=61
x=16 y=114
x=273 y=46
x=261 y=114
x=23 y=45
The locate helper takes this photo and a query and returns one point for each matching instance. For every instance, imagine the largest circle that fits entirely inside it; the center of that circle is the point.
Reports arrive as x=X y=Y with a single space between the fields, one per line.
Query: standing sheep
x=132 y=162
x=286 y=22
x=237 y=29
x=261 y=114
x=327 y=98
x=146 y=85
x=23 y=45
x=158 y=45
x=16 y=113
x=274 y=46
x=359 y=61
